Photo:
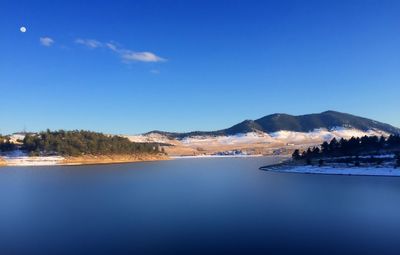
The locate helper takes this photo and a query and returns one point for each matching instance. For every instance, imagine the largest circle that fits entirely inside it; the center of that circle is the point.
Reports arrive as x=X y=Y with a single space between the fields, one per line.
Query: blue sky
x=134 y=66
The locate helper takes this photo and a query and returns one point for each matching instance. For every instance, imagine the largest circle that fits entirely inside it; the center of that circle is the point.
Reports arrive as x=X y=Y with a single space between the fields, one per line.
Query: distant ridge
x=301 y=123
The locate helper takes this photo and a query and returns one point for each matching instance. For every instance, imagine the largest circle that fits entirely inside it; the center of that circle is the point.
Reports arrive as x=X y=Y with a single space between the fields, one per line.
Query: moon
x=22 y=29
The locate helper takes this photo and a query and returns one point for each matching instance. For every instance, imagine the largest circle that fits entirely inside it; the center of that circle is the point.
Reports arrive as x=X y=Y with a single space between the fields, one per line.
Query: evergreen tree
x=333 y=145
x=296 y=155
x=325 y=148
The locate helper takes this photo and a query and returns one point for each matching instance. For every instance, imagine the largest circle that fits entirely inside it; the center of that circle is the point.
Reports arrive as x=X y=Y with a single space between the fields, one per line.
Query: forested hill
x=79 y=142
x=302 y=123
x=328 y=120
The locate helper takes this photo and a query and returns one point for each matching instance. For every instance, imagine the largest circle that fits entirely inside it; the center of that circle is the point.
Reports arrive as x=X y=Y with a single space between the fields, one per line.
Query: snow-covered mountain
x=270 y=133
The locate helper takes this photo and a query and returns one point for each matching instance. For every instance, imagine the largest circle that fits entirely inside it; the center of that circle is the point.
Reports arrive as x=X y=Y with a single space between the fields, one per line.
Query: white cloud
x=125 y=54
x=141 y=56
x=90 y=43
x=112 y=47
x=46 y=41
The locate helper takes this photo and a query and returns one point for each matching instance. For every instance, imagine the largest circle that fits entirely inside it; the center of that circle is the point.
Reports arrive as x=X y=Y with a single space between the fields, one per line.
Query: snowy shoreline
x=326 y=170
x=217 y=156
x=33 y=161
x=23 y=160
x=19 y=158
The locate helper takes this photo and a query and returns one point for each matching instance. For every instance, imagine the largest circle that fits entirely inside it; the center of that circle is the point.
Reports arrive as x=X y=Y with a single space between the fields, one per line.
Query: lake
x=195 y=206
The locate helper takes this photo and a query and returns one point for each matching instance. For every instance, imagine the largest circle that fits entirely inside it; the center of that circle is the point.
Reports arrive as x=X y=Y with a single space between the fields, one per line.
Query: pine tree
x=333 y=145
x=296 y=155
x=325 y=148
x=315 y=152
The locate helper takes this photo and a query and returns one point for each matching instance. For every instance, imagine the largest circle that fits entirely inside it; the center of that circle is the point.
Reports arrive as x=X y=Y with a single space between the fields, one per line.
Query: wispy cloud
x=46 y=41
x=126 y=55
x=141 y=56
x=90 y=43
x=112 y=47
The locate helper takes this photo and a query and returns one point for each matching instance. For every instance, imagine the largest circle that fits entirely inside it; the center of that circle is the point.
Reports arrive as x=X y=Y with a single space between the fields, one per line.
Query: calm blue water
x=195 y=206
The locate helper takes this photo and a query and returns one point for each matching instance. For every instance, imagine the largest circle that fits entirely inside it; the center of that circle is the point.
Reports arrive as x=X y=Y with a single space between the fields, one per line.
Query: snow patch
x=258 y=139
x=148 y=138
x=19 y=158
x=216 y=156
x=369 y=171
x=321 y=134
x=317 y=135
x=248 y=138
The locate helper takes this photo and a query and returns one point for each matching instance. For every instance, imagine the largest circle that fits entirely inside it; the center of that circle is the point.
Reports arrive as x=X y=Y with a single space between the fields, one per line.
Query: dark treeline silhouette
x=79 y=142
x=367 y=145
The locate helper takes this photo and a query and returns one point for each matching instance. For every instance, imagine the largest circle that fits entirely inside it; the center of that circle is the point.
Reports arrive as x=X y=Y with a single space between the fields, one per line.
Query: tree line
x=355 y=146
x=80 y=142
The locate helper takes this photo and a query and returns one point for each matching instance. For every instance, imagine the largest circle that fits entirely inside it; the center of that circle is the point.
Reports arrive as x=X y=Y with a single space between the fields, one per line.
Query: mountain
x=303 y=123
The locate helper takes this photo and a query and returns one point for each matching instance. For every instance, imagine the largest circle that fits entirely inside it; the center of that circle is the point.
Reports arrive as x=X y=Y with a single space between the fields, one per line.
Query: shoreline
x=218 y=156
x=292 y=167
x=26 y=161
x=110 y=159
x=2 y=162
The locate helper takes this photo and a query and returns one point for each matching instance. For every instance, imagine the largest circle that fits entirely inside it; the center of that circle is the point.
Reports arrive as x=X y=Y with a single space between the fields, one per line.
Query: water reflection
x=191 y=206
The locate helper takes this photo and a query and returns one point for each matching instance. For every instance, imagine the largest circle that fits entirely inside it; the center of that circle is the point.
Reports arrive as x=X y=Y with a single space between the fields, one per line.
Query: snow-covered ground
x=216 y=156
x=149 y=138
x=19 y=158
x=248 y=138
x=371 y=171
x=280 y=142
x=324 y=134
x=260 y=137
x=15 y=138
